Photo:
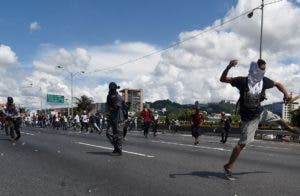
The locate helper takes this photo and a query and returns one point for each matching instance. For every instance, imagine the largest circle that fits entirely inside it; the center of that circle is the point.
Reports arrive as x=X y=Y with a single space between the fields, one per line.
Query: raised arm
x=224 y=77
x=287 y=97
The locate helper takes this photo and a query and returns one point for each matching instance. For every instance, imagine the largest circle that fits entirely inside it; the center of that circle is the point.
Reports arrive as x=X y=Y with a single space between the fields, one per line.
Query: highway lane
x=50 y=162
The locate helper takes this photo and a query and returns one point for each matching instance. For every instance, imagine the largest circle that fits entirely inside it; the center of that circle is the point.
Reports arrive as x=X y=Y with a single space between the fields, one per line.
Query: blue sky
x=90 y=22
x=94 y=35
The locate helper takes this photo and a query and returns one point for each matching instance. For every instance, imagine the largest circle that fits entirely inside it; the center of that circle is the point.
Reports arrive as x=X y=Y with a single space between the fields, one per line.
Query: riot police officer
x=115 y=104
x=13 y=119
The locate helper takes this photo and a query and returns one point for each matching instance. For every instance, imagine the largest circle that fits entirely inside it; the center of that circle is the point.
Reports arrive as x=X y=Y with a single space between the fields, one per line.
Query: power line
x=185 y=40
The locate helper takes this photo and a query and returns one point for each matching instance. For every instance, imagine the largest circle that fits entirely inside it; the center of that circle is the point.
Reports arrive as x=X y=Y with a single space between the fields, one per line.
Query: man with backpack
x=252 y=92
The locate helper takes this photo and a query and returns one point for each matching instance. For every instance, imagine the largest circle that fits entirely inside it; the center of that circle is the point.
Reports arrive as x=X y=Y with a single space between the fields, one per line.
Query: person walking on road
x=115 y=105
x=126 y=118
x=252 y=92
x=197 y=120
x=227 y=126
x=84 y=122
x=155 y=123
x=13 y=119
x=146 y=114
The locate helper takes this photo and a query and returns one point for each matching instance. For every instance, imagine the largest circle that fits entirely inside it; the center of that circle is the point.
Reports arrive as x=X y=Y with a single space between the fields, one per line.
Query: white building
x=287 y=108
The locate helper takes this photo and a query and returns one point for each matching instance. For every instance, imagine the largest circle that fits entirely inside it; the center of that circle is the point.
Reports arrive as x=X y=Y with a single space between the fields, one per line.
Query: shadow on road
x=4 y=139
x=100 y=153
x=209 y=174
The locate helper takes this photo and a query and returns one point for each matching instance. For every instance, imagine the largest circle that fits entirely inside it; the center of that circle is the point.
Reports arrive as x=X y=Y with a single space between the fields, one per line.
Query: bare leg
x=289 y=128
x=234 y=155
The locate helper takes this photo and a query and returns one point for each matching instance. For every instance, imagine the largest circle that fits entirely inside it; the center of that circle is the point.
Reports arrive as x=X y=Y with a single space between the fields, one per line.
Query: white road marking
x=27 y=133
x=189 y=145
x=108 y=148
x=270 y=147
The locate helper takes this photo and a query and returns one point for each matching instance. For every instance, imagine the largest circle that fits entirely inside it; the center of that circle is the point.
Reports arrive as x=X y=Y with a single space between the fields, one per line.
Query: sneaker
x=226 y=170
x=228 y=174
x=116 y=153
x=196 y=143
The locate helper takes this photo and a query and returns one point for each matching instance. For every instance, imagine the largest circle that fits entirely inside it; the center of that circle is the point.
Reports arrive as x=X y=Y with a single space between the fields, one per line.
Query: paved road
x=48 y=162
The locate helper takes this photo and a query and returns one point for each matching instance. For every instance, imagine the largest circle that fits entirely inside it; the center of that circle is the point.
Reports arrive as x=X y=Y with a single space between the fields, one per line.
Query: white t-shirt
x=77 y=118
x=85 y=118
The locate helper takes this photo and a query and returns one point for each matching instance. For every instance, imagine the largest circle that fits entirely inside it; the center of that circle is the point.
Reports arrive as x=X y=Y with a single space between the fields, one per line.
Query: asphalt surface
x=49 y=162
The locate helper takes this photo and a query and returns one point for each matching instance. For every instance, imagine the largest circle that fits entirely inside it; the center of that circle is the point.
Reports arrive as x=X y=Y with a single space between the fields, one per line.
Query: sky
x=97 y=36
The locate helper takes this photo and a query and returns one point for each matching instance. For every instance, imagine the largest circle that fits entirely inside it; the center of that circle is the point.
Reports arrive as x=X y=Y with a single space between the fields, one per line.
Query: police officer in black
x=13 y=119
x=126 y=108
x=115 y=105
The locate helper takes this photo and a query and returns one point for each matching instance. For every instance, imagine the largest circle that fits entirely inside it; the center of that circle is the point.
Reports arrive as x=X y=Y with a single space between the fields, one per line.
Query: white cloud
x=187 y=72
x=7 y=56
x=34 y=26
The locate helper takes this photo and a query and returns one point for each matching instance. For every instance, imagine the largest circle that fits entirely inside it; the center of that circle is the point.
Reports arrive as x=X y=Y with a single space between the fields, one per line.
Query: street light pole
x=41 y=97
x=261 y=24
x=261 y=27
x=72 y=75
x=72 y=79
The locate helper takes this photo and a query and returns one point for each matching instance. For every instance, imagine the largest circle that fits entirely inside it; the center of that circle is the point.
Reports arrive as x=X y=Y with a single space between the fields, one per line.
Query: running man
x=197 y=120
x=252 y=91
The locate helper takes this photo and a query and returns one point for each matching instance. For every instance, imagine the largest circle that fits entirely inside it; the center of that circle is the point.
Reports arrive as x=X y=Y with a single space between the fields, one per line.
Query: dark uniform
x=115 y=105
x=127 y=120
x=13 y=119
x=226 y=129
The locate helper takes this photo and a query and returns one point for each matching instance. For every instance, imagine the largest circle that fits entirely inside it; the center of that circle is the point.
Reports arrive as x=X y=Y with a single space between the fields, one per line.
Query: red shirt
x=197 y=119
x=146 y=116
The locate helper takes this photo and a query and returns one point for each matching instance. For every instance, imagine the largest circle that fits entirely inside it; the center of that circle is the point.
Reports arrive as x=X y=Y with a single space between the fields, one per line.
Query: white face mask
x=255 y=74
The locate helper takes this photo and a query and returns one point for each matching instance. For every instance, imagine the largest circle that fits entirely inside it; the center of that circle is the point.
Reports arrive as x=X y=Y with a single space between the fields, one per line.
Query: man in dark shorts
x=252 y=91
x=197 y=120
x=227 y=126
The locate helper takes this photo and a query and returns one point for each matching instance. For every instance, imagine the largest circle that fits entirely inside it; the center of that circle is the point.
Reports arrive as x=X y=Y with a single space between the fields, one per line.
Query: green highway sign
x=55 y=98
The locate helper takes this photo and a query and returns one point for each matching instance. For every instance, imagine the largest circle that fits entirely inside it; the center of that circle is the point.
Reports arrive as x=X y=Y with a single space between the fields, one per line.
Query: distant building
x=135 y=97
x=286 y=110
x=276 y=108
x=100 y=107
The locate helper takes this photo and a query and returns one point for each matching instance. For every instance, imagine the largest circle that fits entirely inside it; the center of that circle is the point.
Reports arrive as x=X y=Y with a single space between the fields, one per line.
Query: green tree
x=84 y=103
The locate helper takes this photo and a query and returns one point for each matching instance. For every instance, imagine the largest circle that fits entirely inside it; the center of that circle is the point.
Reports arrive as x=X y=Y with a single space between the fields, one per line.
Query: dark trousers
x=117 y=135
x=155 y=126
x=146 y=129
x=125 y=128
x=224 y=135
x=14 y=127
x=85 y=126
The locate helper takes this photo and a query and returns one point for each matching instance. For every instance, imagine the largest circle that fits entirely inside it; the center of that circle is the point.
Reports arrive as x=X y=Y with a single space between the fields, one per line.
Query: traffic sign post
x=55 y=99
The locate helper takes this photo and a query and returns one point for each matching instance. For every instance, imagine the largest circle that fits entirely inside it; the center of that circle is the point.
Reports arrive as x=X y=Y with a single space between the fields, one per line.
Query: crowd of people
x=252 y=92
